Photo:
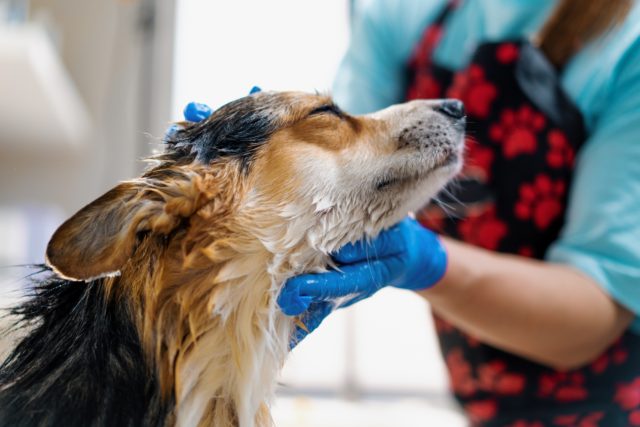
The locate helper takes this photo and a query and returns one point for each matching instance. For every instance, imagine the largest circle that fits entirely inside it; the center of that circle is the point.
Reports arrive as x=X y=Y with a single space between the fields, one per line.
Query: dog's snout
x=452 y=108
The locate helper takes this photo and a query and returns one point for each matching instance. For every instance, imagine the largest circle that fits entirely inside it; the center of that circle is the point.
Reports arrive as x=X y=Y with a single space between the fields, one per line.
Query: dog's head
x=297 y=158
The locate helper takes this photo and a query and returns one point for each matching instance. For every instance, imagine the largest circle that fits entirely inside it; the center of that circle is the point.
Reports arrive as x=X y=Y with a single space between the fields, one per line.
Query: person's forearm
x=549 y=313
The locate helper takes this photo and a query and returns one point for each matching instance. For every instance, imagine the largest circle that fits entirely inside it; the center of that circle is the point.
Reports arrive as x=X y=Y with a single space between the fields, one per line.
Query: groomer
x=534 y=273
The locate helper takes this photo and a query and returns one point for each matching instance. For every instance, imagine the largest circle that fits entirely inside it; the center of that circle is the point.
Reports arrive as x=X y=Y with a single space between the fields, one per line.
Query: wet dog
x=159 y=303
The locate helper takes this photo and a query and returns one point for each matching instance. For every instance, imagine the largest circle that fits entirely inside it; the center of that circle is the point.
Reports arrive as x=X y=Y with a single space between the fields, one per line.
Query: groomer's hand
x=197 y=112
x=407 y=256
x=193 y=112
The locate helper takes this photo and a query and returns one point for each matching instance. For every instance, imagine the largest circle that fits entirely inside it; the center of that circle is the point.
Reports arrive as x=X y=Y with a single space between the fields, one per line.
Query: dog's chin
x=412 y=192
x=446 y=168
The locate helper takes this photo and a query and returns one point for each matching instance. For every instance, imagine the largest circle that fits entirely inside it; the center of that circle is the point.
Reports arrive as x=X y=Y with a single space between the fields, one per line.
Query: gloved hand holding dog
x=406 y=256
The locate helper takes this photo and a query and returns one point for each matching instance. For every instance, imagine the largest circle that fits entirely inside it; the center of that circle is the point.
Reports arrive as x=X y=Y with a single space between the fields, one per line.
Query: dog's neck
x=237 y=355
x=224 y=359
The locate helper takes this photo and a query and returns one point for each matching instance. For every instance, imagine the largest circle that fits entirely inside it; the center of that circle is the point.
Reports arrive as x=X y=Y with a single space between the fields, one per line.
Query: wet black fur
x=237 y=129
x=81 y=363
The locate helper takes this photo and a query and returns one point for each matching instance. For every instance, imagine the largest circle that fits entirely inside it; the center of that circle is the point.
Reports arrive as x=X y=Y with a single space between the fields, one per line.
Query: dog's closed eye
x=328 y=108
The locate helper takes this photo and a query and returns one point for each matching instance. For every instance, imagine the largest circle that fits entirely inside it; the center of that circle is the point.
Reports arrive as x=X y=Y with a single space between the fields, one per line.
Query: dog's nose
x=452 y=108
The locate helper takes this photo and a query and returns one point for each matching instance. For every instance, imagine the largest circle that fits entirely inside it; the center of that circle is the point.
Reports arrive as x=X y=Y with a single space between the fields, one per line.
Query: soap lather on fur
x=158 y=305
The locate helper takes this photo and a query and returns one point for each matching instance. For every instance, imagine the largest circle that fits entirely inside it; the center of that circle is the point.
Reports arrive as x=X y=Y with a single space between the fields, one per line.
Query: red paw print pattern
x=507 y=53
x=616 y=355
x=628 y=398
x=425 y=87
x=522 y=423
x=442 y=326
x=478 y=160
x=432 y=217
x=484 y=230
x=628 y=395
x=563 y=386
x=481 y=410
x=472 y=342
x=459 y=369
x=494 y=377
x=540 y=201
x=589 y=420
x=634 y=418
x=560 y=153
x=472 y=88
x=526 y=251
x=517 y=131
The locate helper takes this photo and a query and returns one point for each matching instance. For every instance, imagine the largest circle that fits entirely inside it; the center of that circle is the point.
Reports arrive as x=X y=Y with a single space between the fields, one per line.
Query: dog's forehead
x=283 y=105
x=240 y=127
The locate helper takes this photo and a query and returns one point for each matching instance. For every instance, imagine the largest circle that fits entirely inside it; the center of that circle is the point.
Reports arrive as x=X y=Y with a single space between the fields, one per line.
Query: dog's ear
x=100 y=238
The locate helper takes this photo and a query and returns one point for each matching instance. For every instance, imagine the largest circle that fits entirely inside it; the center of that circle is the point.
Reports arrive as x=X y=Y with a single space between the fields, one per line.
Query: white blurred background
x=88 y=87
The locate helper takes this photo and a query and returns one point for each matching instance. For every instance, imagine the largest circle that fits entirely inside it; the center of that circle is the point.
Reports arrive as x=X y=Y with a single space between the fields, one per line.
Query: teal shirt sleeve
x=371 y=75
x=602 y=232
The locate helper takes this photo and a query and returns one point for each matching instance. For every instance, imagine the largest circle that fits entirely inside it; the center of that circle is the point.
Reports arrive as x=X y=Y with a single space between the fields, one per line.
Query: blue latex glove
x=407 y=256
x=193 y=112
x=197 y=112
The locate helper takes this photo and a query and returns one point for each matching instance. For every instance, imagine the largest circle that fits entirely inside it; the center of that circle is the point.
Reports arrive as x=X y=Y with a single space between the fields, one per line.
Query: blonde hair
x=576 y=22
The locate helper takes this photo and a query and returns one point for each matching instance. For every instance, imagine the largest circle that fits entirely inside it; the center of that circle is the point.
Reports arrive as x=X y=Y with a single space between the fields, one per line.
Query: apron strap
x=448 y=9
x=574 y=23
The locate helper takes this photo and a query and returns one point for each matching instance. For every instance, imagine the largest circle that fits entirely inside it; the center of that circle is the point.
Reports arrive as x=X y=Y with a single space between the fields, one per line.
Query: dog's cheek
x=294 y=173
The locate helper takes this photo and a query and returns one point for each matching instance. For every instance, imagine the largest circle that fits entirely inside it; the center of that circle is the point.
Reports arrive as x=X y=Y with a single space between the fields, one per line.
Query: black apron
x=523 y=136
